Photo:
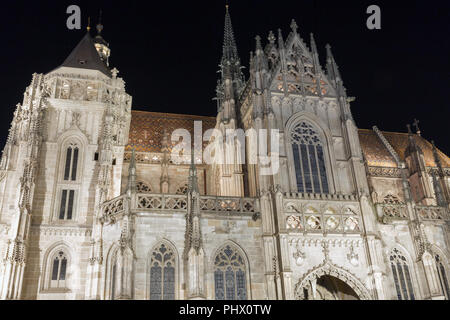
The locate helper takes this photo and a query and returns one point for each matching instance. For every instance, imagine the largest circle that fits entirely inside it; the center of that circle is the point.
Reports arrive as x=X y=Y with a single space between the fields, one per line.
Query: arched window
x=142 y=187
x=309 y=159
x=442 y=277
x=230 y=281
x=71 y=165
x=402 y=276
x=162 y=273
x=58 y=270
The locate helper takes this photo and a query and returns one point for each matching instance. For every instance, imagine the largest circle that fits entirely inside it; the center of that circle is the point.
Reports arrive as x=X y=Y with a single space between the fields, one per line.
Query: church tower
x=228 y=169
x=62 y=160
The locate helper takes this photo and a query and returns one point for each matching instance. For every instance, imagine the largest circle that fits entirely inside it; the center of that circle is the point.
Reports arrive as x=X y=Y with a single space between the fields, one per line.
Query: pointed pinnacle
x=313 y=44
x=280 y=39
x=294 y=26
x=271 y=37
x=258 y=43
x=229 y=43
x=329 y=53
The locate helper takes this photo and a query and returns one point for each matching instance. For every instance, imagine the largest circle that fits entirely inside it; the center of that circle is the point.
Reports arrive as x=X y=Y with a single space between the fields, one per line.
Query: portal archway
x=331 y=282
x=330 y=288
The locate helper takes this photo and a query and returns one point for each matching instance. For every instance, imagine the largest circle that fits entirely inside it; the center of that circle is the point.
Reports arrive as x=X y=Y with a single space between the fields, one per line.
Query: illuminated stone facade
x=93 y=207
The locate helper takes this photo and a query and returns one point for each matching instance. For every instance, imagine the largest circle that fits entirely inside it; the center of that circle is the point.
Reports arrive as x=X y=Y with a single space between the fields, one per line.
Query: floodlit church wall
x=44 y=240
x=150 y=175
x=152 y=229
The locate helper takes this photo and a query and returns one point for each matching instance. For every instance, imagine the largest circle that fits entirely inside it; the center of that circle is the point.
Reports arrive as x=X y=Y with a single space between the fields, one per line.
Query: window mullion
x=319 y=177
x=302 y=171
x=310 y=169
x=406 y=282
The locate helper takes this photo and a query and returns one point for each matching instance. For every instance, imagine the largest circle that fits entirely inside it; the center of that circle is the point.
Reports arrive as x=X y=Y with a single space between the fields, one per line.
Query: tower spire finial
x=99 y=24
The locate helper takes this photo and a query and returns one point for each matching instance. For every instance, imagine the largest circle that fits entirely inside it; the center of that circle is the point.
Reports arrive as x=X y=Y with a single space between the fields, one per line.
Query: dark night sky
x=168 y=52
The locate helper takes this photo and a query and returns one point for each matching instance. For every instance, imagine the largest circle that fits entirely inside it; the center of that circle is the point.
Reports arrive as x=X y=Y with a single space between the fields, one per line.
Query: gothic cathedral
x=92 y=205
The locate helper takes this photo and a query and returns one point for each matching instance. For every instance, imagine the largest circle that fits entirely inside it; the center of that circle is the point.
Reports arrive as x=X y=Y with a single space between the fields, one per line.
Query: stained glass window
x=230 y=281
x=309 y=162
x=58 y=272
x=71 y=166
x=162 y=273
x=442 y=277
x=402 y=277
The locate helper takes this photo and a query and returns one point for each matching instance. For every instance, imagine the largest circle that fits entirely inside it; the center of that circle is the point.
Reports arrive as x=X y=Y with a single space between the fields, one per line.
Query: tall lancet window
x=442 y=277
x=309 y=159
x=230 y=281
x=71 y=165
x=162 y=273
x=58 y=271
x=402 y=276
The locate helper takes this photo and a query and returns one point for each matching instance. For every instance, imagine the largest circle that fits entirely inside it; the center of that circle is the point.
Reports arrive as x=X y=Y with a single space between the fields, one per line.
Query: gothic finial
x=294 y=26
x=280 y=39
x=271 y=37
x=258 y=43
x=416 y=125
x=329 y=53
x=99 y=26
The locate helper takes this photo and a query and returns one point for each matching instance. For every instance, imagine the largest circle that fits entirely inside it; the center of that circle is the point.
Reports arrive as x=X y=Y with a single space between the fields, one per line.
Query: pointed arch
x=329 y=269
x=310 y=155
x=441 y=262
x=110 y=271
x=163 y=272
x=57 y=268
x=231 y=272
x=71 y=158
x=402 y=273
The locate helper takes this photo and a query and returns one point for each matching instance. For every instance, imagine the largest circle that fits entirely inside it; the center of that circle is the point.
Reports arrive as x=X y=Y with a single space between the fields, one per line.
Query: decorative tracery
x=162 y=273
x=309 y=159
x=142 y=187
x=229 y=275
x=182 y=189
x=402 y=276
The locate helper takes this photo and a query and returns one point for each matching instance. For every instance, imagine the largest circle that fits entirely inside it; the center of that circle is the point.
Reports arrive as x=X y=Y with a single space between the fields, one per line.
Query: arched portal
x=330 y=288
x=331 y=282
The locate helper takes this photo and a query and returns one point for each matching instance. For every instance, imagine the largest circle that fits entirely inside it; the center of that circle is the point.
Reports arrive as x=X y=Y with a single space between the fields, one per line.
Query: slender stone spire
x=332 y=67
x=232 y=80
x=230 y=52
x=193 y=179
x=164 y=179
x=230 y=62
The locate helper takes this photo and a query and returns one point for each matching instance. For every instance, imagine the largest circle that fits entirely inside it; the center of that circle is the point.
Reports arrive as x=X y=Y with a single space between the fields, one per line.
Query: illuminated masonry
x=93 y=207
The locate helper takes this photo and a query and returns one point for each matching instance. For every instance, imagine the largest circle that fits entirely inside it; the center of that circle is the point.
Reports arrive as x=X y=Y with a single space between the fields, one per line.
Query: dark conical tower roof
x=85 y=56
